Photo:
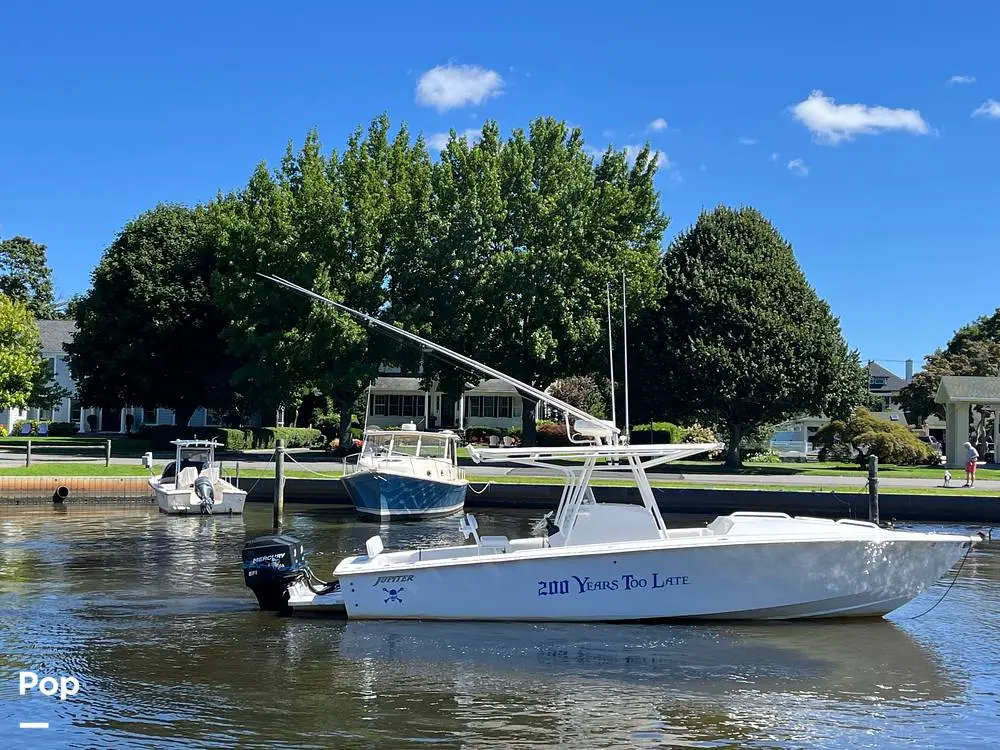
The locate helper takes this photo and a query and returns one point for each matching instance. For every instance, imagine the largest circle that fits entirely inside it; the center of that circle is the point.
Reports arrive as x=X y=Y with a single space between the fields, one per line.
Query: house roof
x=892 y=381
x=401 y=384
x=55 y=333
x=967 y=389
x=894 y=415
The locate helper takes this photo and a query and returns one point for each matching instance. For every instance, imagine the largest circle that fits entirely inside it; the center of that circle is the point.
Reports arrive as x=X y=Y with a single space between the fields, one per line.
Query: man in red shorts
x=972 y=455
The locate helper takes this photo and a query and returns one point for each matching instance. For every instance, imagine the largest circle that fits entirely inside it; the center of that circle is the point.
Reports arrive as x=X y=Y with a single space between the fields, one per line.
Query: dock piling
x=27 y=455
x=873 y=489
x=107 y=453
x=279 y=484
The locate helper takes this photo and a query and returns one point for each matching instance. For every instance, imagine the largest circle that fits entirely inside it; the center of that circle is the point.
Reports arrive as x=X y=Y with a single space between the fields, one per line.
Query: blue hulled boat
x=406 y=474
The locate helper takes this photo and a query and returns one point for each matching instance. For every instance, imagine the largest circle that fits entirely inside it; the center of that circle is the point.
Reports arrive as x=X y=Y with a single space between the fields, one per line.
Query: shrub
x=661 y=432
x=863 y=435
x=480 y=434
x=62 y=429
x=92 y=422
x=129 y=423
x=697 y=433
x=763 y=457
x=294 y=437
x=551 y=434
x=19 y=425
x=3 y=431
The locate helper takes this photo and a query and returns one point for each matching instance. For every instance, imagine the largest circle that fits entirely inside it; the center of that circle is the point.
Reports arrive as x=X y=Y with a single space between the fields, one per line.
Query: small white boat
x=406 y=474
x=192 y=482
x=613 y=561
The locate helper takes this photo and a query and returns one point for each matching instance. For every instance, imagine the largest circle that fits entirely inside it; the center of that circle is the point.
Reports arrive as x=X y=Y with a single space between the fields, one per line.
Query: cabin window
x=504 y=406
x=74 y=411
x=491 y=406
x=379 y=407
x=394 y=409
x=475 y=406
x=407 y=406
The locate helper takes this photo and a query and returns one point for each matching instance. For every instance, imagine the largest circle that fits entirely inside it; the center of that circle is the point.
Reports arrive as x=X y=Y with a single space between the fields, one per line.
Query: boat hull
x=730 y=581
x=383 y=495
x=185 y=502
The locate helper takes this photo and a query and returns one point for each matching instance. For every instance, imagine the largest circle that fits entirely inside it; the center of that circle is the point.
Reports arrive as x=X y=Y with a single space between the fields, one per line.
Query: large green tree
x=739 y=339
x=20 y=345
x=149 y=331
x=974 y=350
x=525 y=235
x=25 y=275
x=331 y=224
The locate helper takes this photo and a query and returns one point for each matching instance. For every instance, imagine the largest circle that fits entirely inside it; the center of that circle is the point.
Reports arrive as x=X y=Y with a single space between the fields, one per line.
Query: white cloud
x=962 y=79
x=744 y=141
x=798 y=167
x=662 y=160
x=448 y=86
x=831 y=123
x=774 y=156
x=438 y=141
x=990 y=108
x=657 y=125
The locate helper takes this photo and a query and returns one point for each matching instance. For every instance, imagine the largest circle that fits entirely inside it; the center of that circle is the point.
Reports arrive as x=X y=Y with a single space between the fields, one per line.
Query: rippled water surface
x=151 y=614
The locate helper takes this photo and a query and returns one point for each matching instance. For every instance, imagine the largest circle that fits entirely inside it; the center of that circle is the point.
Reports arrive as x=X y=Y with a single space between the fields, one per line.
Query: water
x=150 y=613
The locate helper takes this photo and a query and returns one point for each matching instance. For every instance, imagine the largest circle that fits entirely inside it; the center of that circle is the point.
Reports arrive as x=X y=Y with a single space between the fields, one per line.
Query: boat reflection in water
x=874 y=659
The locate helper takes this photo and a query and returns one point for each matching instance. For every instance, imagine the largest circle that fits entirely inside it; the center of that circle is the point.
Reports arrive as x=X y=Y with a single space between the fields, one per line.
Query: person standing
x=971 y=456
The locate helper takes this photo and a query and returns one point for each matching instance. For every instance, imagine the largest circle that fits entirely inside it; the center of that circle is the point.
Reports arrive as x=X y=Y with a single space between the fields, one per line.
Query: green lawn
x=78 y=445
x=91 y=469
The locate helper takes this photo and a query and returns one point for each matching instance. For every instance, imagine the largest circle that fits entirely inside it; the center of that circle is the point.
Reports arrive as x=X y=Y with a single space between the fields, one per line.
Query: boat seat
x=186 y=477
x=495 y=543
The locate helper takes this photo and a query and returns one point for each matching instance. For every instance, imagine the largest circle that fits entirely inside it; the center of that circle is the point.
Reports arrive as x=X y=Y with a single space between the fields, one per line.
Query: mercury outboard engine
x=270 y=565
x=203 y=489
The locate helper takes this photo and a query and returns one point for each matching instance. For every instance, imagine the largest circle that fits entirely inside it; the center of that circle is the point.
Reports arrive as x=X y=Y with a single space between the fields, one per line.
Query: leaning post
x=27 y=455
x=279 y=484
x=873 y=489
x=107 y=452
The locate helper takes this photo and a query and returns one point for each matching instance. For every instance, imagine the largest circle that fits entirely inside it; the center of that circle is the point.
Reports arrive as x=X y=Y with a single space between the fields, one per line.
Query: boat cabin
x=412 y=443
x=196 y=454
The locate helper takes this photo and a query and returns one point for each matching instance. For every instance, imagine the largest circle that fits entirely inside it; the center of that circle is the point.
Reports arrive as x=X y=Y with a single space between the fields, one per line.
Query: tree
x=739 y=339
x=974 y=350
x=863 y=435
x=525 y=236
x=25 y=275
x=20 y=347
x=148 y=330
x=582 y=392
x=330 y=224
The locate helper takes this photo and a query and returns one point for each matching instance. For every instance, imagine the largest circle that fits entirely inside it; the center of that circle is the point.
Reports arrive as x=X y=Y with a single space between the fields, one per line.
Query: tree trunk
x=345 y=407
x=528 y=434
x=182 y=415
x=733 y=459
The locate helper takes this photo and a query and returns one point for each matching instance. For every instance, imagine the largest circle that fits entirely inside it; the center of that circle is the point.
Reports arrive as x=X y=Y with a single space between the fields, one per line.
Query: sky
x=866 y=132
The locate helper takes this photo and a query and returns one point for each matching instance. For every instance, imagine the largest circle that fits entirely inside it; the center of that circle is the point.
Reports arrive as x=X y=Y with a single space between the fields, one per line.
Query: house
x=793 y=438
x=885 y=385
x=395 y=398
x=55 y=333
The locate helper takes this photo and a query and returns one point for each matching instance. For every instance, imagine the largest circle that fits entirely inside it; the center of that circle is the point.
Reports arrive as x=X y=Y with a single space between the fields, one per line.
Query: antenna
x=611 y=358
x=625 y=347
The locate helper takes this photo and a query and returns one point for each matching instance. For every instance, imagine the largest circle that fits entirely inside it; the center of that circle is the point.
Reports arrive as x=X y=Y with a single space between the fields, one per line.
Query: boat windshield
x=401 y=443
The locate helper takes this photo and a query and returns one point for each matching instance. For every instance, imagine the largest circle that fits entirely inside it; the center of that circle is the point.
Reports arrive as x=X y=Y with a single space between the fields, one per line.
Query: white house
x=55 y=333
x=394 y=399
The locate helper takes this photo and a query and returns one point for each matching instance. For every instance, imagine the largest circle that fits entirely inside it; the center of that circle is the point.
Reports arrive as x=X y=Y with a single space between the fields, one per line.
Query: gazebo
x=958 y=393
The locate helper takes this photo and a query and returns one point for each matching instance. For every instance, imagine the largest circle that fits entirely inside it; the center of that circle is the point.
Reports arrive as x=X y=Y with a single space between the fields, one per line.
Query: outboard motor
x=270 y=565
x=205 y=492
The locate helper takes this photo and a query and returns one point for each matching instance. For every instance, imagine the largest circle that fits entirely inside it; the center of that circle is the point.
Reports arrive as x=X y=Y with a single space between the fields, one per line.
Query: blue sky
x=885 y=183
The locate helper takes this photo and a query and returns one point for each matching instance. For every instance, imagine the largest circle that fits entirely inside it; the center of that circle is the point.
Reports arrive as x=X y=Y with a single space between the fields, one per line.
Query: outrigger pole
x=567 y=409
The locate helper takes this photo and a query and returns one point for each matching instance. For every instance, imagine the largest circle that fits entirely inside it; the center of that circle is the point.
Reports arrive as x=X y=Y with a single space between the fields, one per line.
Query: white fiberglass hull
x=742 y=576
x=228 y=500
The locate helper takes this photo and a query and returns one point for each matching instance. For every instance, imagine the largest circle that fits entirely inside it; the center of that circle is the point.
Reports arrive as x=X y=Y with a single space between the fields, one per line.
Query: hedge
x=232 y=438
x=662 y=432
